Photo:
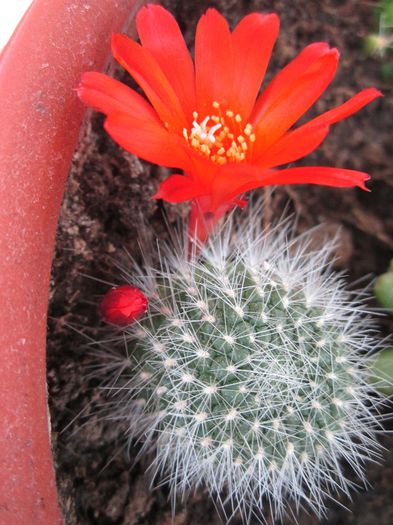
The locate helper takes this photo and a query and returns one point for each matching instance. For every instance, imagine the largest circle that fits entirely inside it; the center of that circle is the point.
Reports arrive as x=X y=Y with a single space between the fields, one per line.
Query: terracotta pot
x=41 y=116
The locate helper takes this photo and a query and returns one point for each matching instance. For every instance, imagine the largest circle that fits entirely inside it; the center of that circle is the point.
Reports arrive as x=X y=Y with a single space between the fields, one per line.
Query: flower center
x=222 y=137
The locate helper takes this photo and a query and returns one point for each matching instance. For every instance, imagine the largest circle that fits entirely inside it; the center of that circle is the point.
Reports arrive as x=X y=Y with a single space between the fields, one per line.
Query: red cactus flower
x=208 y=119
x=123 y=305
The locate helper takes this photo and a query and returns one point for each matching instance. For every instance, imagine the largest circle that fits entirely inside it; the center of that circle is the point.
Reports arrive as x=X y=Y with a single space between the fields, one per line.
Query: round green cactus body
x=249 y=373
x=242 y=364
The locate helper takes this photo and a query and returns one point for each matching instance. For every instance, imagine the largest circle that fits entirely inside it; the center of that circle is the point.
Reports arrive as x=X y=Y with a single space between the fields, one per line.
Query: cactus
x=249 y=373
x=383 y=288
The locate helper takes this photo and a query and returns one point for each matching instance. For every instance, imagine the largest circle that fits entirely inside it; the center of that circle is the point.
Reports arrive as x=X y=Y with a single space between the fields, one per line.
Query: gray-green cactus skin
x=249 y=373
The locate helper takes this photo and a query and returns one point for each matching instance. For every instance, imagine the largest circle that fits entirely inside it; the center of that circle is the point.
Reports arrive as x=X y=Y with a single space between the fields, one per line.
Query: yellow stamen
x=219 y=137
x=248 y=129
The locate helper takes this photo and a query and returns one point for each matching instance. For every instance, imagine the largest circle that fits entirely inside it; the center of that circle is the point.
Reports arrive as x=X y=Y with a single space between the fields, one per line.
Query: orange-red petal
x=346 y=109
x=253 y=40
x=160 y=34
x=213 y=61
x=324 y=176
x=147 y=139
x=292 y=146
x=292 y=92
x=108 y=95
x=179 y=188
x=231 y=183
x=292 y=72
x=203 y=218
x=304 y=139
x=143 y=67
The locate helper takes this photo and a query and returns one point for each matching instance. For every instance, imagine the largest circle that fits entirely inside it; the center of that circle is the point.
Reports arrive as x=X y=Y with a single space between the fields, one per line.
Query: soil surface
x=107 y=200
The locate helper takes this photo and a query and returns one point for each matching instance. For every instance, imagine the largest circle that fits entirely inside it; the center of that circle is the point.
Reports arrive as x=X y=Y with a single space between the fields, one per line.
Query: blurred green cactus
x=383 y=288
x=380 y=42
x=382 y=370
x=382 y=367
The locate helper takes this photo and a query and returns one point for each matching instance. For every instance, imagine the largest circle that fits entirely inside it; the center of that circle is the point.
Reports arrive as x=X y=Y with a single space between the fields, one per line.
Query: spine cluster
x=248 y=375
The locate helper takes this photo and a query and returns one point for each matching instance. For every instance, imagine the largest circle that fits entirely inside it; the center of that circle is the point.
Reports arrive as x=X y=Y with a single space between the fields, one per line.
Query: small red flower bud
x=123 y=305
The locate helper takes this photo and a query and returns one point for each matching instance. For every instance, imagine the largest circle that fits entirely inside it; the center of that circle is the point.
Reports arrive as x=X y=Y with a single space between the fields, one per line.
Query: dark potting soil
x=106 y=203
